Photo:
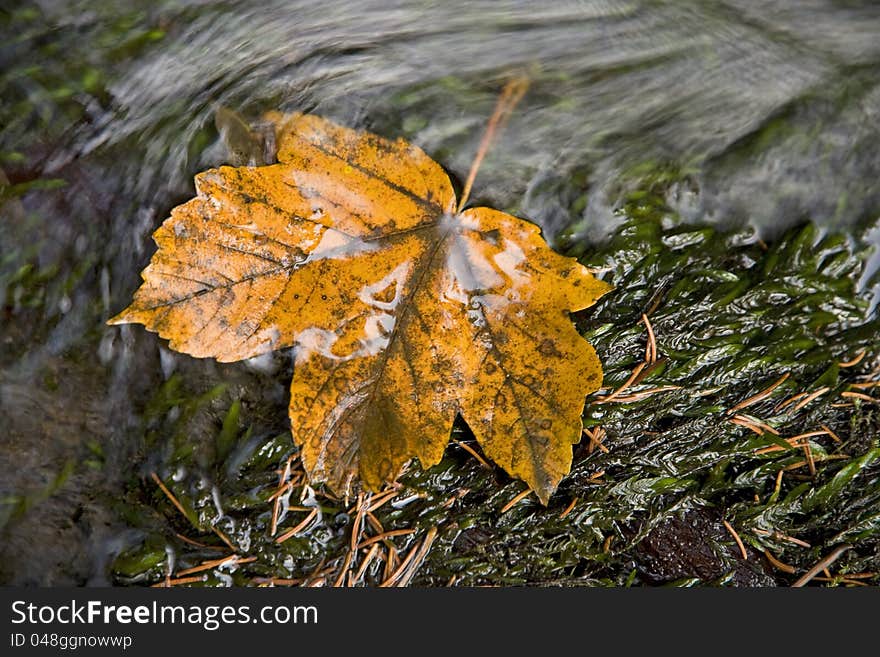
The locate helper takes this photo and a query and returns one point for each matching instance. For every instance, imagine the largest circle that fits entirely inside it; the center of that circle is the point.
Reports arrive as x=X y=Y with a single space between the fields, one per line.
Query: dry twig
x=754 y=399
x=293 y=531
x=507 y=507
x=821 y=565
x=569 y=508
x=742 y=548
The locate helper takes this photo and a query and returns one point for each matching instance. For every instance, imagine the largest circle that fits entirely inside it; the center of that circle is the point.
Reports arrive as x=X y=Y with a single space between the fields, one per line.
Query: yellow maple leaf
x=403 y=311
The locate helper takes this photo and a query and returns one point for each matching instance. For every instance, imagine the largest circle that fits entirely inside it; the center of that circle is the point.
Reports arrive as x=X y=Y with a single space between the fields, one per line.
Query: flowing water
x=763 y=113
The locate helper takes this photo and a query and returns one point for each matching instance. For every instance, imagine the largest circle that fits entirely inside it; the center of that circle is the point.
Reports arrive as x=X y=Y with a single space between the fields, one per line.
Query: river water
x=763 y=113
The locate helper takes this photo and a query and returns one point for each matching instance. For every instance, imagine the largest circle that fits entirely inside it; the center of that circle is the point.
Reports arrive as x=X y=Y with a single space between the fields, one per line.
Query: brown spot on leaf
x=548 y=348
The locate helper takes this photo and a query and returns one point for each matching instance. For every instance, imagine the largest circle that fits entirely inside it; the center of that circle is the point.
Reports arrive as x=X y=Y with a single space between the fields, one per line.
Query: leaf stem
x=511 y=95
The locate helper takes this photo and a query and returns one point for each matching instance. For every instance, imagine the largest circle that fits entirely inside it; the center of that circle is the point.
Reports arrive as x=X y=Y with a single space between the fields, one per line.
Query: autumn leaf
x=402 y=311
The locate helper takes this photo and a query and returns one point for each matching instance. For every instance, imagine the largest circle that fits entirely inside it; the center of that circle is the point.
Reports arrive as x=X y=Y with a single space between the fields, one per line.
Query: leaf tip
x=543 y=495
x=131 y=315
x=543 y=484
x=121 y=318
